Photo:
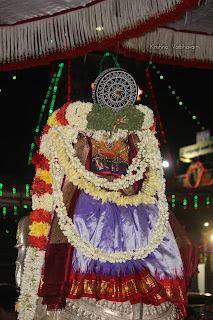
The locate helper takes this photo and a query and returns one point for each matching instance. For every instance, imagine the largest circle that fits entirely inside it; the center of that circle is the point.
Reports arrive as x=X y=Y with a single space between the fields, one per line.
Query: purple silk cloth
x=113 y=228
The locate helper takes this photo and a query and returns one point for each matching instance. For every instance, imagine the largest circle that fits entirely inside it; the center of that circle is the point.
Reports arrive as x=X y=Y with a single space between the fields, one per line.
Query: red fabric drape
x=188 y=251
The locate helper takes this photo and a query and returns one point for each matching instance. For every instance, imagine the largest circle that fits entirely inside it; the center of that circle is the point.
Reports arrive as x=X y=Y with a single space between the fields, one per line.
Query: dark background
x=21 y=101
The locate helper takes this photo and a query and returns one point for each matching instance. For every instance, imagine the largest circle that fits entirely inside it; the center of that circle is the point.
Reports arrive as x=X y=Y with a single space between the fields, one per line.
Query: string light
x=185 y=200
x=207 y=202
x=193 y=199
x=27 y=190
x=15 y=211
x=55 y=88
x=155 y=106
x=194 y=117
x=14 y=192
x=12 y=211
x=184 y=203
x=1 y=190
x=4 y=211
x=173 y=201
x=195 y=202
x=37 y=129
x=107 y=54
x=159 y=120
x=53 y=85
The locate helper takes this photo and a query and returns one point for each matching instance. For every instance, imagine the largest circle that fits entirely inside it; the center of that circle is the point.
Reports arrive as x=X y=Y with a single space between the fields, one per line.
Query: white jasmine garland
x=148 y=148
x=134 y=172
x=76 y=114
x=148 y=116
x=42 y=202
x=30 y=283
x=102 y=135
x=97 y=193
x=86 y=248
x=63 y=160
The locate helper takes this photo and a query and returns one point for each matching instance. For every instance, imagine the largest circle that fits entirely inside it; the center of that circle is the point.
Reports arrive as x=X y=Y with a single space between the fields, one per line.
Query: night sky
x=21 y=100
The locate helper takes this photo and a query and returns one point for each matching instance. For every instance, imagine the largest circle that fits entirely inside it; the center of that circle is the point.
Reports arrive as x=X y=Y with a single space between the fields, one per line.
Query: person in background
x=8 y=298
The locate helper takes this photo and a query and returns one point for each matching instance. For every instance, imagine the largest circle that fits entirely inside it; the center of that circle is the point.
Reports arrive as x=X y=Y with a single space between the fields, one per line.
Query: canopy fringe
x=169 y=43
x=71 y=30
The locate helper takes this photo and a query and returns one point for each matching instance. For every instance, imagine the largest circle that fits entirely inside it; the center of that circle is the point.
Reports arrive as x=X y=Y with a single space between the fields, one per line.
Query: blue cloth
x=113 y=228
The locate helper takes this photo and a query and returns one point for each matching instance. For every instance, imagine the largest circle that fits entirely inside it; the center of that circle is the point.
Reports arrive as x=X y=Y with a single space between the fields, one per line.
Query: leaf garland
x=105 y=118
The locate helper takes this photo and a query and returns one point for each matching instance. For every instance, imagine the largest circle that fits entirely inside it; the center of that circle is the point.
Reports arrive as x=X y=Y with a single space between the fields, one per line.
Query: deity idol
x=102 y=244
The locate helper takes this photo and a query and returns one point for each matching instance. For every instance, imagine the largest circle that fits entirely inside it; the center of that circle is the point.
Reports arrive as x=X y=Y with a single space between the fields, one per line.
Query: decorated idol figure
x=101 y=242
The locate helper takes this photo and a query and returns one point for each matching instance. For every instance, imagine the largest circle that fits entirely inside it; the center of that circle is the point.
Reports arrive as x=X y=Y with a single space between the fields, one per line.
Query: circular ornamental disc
x=114 y=88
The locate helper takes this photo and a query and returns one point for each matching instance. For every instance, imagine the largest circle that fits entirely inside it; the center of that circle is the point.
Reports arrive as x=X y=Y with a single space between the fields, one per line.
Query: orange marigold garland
x=40 y=215
x=40 y=219
x=38 y=140
x=40 y=222
x=60 y=116
x=40 y=161
x=38 y=242
x=46 y=129
x=40 y=187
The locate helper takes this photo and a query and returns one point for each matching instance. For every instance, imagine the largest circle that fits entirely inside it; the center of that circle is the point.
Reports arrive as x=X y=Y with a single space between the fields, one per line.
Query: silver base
x=90 y=309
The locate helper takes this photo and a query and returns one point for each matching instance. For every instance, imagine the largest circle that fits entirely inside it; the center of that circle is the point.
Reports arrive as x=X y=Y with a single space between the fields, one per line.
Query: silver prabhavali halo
x=114 y=88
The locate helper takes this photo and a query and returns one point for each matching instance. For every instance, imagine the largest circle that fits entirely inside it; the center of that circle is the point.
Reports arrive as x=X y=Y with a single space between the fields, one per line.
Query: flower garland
x=78 y=178
x=30 y=282
x=67 y=226
x=102 y=135
x=53 y=161
x=76 y=115
x=40 y=187
x=134 y=172
x=40 y=221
